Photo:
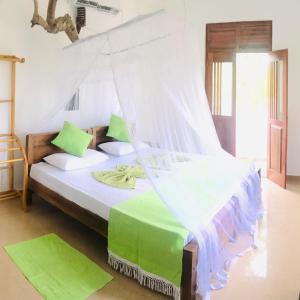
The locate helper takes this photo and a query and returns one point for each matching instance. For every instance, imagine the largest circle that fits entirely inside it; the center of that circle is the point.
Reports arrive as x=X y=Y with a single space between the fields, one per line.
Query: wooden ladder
x=10 y=144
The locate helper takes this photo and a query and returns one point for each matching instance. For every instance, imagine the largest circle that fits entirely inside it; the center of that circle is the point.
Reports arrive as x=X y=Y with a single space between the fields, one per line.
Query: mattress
x=81 y=188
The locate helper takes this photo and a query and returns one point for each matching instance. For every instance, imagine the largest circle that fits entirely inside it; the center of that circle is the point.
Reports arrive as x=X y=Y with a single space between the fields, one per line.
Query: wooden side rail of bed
x=39 y=146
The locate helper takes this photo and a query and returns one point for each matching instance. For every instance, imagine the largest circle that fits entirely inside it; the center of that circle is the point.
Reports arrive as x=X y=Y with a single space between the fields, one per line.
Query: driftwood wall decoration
x=53 y=24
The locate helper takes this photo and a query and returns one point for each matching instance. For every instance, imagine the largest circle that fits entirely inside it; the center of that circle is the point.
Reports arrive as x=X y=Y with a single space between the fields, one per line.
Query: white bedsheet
x=81 y=188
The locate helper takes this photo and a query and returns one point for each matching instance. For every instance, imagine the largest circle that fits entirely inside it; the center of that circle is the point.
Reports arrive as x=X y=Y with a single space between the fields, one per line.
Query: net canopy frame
x=148 y=71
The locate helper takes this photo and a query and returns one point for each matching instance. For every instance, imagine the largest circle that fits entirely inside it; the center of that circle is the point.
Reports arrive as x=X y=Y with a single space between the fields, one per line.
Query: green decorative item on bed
x=123 y=177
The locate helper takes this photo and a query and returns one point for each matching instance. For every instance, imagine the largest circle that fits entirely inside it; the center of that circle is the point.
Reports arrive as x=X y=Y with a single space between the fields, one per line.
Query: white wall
x=42 y=50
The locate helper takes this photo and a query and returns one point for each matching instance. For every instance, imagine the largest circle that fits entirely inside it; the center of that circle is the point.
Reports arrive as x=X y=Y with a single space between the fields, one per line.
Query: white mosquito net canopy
x=148 y=71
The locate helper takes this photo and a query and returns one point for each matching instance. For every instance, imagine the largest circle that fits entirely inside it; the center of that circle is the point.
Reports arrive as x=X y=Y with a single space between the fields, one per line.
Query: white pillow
x=69 y=162
x=121 y=148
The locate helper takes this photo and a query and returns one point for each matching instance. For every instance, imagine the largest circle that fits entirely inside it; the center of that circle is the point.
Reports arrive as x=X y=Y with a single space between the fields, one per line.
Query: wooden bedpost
x=189 y=271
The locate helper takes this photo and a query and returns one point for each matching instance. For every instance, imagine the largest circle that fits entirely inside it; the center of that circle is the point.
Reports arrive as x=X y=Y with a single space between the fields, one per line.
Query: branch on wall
x=52 y=24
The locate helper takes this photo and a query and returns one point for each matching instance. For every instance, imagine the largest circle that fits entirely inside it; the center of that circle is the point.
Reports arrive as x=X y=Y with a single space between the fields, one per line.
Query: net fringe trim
x=147 y=279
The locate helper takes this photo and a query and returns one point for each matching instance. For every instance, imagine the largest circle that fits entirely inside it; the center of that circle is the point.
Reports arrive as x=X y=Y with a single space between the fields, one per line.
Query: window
x=222 y=84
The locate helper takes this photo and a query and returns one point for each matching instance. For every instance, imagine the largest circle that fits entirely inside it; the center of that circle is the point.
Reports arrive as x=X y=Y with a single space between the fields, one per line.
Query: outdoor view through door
x=252 y=107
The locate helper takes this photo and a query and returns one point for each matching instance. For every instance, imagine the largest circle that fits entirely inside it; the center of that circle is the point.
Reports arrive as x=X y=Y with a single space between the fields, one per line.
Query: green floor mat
x=56 y=270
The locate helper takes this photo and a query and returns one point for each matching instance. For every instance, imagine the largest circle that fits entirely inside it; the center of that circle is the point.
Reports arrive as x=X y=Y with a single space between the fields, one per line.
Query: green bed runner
x=148 y=245
x=56 y=270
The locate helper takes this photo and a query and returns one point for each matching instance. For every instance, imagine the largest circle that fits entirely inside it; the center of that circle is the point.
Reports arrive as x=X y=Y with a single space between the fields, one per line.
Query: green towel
x=123 y=177
x=56 y=270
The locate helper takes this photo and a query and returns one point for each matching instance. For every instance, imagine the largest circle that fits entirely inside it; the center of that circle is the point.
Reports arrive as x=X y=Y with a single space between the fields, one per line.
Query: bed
x=72 y=198
x=39 y=146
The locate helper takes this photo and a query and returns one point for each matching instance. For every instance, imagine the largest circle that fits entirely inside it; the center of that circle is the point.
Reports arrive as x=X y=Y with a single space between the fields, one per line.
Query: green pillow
x=118 y=129
x=72 y=140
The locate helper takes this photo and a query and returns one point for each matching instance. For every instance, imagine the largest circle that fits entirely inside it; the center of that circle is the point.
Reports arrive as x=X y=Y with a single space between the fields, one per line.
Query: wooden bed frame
x=39 y=146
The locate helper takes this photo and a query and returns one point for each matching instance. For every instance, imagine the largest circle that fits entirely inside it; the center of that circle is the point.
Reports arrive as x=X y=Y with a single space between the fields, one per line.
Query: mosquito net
x=148 y=71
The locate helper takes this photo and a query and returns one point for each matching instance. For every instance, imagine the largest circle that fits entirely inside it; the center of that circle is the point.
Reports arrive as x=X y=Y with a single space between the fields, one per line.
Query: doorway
x=252 y=108
x=254 y=130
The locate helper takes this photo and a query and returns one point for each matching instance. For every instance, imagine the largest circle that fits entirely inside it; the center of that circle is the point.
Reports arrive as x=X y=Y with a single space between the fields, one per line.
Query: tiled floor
x=270 y=273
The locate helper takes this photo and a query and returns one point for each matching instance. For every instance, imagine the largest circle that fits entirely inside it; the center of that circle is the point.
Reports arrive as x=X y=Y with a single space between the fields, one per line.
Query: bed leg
x=29 y=197
x=189 y=271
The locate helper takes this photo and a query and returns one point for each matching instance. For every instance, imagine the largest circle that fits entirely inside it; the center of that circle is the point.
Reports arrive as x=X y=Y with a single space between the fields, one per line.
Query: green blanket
x=123 y=177
x=56 y=270
x=149 y=242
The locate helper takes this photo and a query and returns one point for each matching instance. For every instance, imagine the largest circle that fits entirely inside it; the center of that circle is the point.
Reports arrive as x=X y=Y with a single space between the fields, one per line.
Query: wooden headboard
x=39 y=145
x=100 y=135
